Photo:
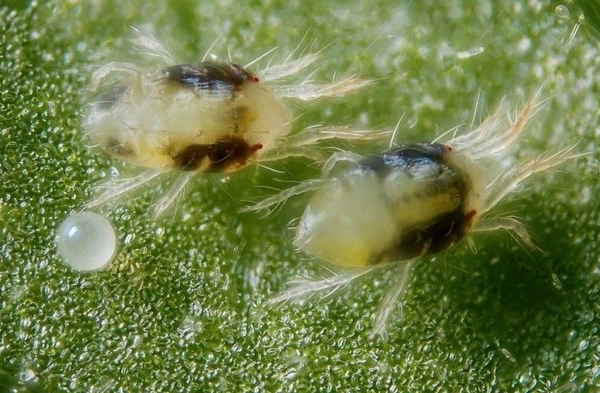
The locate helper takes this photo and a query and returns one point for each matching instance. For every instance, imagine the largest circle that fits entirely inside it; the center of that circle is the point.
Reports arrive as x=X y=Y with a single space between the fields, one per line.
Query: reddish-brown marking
x=469 y=216
x=252 y=78
x=256 y=147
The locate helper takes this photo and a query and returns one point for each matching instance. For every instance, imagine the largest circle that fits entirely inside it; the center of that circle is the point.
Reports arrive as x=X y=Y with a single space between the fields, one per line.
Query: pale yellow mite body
x=212 y=116
x=409 y=201
x=158 y=118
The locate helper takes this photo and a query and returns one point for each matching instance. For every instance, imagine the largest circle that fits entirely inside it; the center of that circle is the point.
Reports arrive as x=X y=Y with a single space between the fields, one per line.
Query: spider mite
x=211 y=116
x=410 y=201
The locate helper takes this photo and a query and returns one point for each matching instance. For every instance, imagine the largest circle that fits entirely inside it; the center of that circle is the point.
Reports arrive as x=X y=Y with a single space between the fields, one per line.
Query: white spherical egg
x=86 y=241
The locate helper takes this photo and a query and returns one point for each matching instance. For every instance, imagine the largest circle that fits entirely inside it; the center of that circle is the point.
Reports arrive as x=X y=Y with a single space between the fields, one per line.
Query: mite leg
x=279 y=71
x=284 y=152
x=275 y=200
x=298 y=144
x=289 y=66
x=121 y=187
x=101 y=73
x=508 y=181
x=485 y=140
x=316 y=134
x=305 y=288
x=308 y=92
x=391 y=299
x=146 y=41
x=509 y=224
x=174 y=192
x=339 y=156
x=500 y=142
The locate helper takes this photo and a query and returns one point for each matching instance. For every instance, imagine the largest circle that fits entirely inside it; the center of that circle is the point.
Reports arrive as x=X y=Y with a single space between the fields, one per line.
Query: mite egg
x=86 y=241
x=210 y=116
x=408 y=202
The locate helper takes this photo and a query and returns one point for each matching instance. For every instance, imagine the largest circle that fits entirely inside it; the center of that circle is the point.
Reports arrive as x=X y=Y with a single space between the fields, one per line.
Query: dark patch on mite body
x=225 y=155
x=210 y=75
x=445 y=231
x=441 y=235
x=406 y=157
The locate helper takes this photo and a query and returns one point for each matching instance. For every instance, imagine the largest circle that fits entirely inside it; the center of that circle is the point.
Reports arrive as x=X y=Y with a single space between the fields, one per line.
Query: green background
x=183 y=306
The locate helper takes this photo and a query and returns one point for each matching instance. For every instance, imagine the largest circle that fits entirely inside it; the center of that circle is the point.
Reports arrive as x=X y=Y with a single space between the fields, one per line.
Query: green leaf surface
x=183 y=306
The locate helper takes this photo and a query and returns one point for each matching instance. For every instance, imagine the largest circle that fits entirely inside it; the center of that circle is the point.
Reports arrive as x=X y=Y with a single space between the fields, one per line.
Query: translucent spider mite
x=211 y=116
x=408 y=202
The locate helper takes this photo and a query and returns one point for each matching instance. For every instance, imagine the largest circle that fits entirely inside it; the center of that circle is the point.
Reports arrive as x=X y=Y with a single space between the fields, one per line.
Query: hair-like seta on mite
x=410 y=201
x=210 y=116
